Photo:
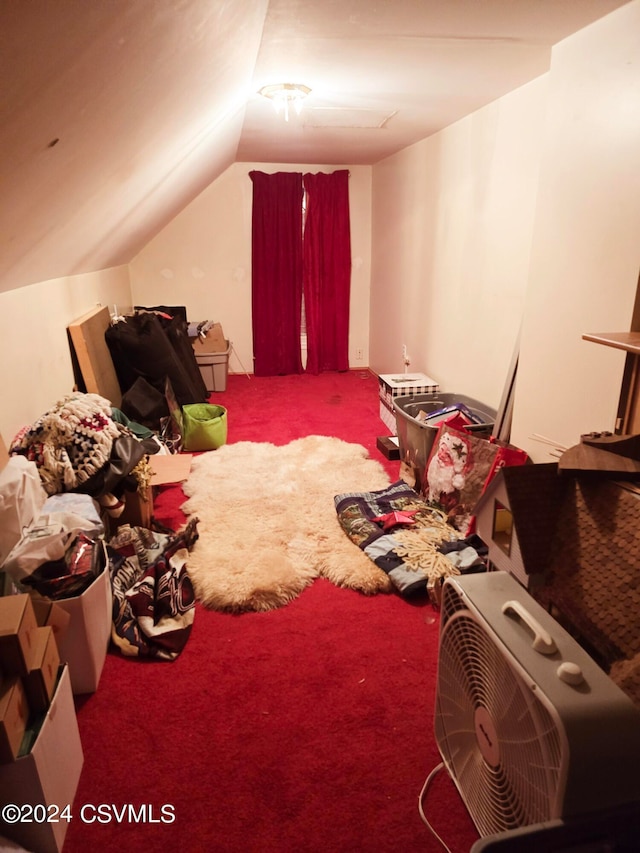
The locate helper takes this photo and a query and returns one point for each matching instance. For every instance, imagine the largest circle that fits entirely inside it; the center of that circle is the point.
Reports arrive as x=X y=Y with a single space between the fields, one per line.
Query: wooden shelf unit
x=628 y=418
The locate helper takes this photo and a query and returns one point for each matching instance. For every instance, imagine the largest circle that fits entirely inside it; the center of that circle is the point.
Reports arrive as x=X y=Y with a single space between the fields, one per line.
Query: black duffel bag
x=141 y=347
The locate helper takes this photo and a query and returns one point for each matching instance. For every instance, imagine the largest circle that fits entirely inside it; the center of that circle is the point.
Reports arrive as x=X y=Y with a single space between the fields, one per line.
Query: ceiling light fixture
x=283 y=95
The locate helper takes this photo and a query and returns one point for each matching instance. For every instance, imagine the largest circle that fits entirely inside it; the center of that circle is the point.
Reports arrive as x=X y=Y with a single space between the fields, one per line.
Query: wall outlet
x=359 y=354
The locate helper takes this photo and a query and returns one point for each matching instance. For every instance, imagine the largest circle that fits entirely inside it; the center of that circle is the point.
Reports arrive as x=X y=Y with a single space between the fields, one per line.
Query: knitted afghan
x=69 y=443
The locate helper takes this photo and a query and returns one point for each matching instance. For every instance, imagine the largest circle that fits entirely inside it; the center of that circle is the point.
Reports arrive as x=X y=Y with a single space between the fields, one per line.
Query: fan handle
x=543 y=642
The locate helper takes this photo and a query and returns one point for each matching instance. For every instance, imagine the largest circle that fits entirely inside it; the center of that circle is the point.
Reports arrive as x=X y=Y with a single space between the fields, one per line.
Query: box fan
x=529 y=727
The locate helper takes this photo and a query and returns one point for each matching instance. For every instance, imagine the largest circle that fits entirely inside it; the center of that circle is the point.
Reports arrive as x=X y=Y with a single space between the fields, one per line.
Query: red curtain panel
x=276 y=245
x=327 y=270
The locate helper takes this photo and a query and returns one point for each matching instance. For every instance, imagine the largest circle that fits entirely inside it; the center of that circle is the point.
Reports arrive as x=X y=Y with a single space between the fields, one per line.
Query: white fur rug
x=268 y=525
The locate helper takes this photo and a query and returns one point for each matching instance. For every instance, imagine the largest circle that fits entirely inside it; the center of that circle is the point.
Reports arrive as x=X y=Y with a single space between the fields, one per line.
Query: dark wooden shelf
x=627 y=341
x=628 y=418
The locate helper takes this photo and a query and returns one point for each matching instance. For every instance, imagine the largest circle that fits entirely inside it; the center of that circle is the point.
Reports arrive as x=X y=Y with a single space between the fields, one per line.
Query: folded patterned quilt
x=404 y=536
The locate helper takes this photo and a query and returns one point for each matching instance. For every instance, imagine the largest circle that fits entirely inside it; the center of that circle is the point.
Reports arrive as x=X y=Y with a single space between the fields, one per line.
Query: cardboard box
x=50 y=614
x=47 y=776
x=213 y=341
x=17 y=634
x=138 y=510
x=14 y=715
x=170 y=468
x=40 y=682
x=388 y=446
x=86 y=640
x=391 y=385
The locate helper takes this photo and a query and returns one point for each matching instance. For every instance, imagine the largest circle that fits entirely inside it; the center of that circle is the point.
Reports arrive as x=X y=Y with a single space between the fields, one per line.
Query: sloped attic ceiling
x=115 y=114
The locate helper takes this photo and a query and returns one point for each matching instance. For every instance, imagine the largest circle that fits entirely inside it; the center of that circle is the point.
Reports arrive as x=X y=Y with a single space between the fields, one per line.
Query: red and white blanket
x=153 y=597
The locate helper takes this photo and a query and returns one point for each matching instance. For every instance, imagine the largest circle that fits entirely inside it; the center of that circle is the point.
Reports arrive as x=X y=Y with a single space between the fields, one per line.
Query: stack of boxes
x=49 y=650
x=40 y=749
x=86 y=616
x=29 y=663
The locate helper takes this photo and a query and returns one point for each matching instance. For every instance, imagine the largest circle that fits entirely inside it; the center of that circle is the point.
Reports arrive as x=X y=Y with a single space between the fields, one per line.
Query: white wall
x=202 y=259
x=586 y=247
x=524 y=213
x=37 y=369
x=452 y=224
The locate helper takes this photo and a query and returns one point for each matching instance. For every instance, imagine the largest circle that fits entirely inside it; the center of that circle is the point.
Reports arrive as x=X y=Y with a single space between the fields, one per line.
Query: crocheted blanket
x=69 y=443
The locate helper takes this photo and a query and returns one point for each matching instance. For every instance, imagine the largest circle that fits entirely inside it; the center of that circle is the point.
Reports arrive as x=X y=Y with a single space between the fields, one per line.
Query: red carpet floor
x=308 y=728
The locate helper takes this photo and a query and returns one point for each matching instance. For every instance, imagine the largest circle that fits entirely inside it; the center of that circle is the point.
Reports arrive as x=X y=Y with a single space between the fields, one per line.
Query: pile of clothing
x=68 y=470
x=84 y=445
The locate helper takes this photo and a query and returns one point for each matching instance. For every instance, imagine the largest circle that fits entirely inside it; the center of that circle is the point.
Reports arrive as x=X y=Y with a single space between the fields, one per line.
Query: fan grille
x=499 y=742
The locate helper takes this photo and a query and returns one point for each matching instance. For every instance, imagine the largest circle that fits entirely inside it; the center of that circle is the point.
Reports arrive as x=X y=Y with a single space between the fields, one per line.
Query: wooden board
x=92 y=352
x=628 y=341
x=504 y=416
x=628 y=417
x=588 y=459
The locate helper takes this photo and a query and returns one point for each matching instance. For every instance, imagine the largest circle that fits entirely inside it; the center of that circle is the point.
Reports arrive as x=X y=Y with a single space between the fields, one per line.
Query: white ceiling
x=114 y=114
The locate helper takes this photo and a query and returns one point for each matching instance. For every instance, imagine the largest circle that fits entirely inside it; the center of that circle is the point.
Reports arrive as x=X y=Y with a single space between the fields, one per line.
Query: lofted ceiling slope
x=115 y=114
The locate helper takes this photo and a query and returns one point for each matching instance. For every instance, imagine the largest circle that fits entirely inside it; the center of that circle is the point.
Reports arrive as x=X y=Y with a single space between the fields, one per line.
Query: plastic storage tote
x=416 y=438
x=214 y=368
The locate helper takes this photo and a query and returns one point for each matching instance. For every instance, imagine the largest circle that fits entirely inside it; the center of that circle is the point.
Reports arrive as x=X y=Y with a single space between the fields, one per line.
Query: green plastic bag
x=204 y=426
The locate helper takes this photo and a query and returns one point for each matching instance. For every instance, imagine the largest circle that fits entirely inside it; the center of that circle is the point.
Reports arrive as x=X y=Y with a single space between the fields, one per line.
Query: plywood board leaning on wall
x=93 y=356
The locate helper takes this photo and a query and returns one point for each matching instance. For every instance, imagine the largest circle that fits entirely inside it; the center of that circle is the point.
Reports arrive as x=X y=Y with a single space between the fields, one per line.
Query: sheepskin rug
x=268 y=525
